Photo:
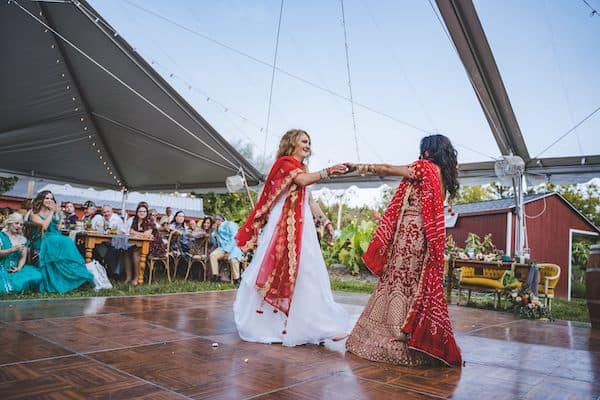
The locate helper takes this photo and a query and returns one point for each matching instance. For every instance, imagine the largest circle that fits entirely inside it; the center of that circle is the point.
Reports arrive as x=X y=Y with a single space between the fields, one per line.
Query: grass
x=352 y=286
x=160 y=286
x=575 y=310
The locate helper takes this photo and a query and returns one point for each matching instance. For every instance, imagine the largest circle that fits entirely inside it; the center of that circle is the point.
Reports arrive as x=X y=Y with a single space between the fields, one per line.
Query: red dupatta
x=277 y=275
x=428 y=323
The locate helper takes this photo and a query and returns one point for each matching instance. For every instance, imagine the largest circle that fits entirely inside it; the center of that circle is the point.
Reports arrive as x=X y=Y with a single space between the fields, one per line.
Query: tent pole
x=247 y=188
x=123 y=205
x=519 y=228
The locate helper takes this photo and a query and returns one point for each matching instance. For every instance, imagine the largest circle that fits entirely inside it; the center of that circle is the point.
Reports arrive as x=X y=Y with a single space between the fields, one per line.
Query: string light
x=82 y=119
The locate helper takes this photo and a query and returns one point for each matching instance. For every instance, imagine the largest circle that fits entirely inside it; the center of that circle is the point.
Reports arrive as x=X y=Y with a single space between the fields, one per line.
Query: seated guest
x=154 y=217
x=179 y=226
x=166 y=219
x=25 y=209
x=70 y=216
x=15 y=275
x=128 y=221
x=192 y=225
x=201 y=235
x=107 y=221
x=224 y=237
x=89 y=212
x=60 y=263
x=141 y=225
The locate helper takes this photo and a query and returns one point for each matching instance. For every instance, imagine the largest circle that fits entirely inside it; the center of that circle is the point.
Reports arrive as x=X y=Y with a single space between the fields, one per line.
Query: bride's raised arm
x=380 y=169
x=308 y=178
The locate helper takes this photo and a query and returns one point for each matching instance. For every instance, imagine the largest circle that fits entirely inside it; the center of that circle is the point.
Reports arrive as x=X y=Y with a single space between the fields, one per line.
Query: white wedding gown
x=313 y=316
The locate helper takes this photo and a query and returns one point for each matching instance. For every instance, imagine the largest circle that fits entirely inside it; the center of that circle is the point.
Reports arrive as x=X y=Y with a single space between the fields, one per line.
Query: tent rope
x=232 y=167
x=272 y=80
x=350 y=81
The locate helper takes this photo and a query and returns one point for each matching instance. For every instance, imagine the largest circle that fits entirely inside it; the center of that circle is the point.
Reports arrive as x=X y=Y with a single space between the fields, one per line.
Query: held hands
x=337 y=169
x=351 y=166
x=334 y=170
x=363 y=169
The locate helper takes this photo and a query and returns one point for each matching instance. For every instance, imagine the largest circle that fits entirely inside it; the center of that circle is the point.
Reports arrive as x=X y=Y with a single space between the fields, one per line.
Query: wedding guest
x=15 y=275
x=61 y=265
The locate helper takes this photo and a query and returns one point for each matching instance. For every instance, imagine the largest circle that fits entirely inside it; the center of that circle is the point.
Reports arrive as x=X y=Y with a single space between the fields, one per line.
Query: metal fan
x=510 y=170
x=509 y=167
x=235 y=183
x=238 y=183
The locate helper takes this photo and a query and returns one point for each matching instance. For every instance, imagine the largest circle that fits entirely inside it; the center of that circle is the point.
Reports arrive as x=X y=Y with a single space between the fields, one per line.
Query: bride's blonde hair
x=288 y=142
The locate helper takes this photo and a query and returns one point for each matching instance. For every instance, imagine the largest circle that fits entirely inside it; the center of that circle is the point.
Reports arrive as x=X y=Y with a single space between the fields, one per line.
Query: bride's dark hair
x=441 y=152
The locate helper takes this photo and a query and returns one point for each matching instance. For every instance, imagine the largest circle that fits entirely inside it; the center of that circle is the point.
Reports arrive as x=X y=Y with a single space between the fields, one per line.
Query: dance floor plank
x=161 y=347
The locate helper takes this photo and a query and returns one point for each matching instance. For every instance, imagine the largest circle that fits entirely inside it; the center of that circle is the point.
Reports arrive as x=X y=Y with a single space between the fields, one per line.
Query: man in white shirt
x=167 y=218
x=104 y=252
x=107 y=221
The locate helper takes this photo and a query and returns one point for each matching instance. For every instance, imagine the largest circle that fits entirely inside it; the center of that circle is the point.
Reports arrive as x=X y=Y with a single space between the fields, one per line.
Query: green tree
x=473 y=194
x=234 y=206
x=500 y=191
x=7 y=183
x=585 y=198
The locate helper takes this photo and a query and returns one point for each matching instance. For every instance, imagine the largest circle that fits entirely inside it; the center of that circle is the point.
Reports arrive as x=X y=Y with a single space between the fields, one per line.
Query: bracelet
x=366 y=169
x=323 y=174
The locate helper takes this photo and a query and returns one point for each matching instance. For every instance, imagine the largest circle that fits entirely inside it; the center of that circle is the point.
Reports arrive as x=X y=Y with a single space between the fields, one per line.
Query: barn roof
x=489 y=206
x=495 y=205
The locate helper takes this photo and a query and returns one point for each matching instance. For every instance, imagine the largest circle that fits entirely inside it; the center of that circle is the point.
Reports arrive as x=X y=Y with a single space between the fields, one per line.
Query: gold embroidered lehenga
x=406 y=320
x=377 y=333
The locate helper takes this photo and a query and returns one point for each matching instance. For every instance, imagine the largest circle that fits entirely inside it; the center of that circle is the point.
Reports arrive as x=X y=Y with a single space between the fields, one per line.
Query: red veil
x=277 y=276
x=427 y=323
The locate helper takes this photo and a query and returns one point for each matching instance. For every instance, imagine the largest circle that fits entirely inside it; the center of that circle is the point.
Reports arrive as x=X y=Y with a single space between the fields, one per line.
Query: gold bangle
x=367 y=169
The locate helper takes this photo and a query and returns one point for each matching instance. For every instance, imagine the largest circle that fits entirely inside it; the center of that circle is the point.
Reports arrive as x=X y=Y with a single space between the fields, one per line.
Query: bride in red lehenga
x=406 y=320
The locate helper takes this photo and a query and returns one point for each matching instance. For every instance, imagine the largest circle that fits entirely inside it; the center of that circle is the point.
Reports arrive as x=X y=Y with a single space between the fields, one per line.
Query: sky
x=403 y=68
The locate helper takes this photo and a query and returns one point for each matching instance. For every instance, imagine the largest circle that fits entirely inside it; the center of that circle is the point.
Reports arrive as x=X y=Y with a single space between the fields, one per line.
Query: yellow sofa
x=483 y=279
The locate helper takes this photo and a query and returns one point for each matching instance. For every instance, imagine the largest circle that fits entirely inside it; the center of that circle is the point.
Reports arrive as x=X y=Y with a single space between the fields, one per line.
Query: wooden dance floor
x=160 y=347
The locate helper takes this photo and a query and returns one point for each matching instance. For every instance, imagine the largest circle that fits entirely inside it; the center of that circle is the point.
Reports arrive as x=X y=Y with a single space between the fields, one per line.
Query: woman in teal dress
x=60 y=263
x=15 y=275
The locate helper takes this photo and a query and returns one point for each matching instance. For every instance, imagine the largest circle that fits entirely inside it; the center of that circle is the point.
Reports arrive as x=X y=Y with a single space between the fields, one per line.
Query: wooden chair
x=32 y=232
x=549 y=275
x=163 y=259
x=175 y=250
x=227 y=266
x=201 y=258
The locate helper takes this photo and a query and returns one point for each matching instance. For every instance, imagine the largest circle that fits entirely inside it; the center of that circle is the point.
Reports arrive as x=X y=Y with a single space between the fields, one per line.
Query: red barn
x=551 y=223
